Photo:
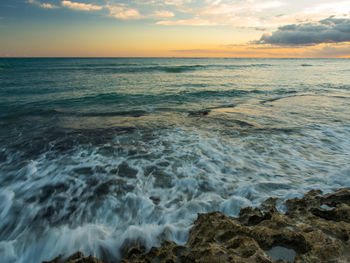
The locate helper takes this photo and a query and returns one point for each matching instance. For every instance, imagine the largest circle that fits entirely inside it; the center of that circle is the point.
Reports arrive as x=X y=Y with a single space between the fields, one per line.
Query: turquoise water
x=100 y=154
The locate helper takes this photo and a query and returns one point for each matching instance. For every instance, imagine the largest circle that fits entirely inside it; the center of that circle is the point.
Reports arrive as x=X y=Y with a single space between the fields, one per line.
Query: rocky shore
x=315 y=228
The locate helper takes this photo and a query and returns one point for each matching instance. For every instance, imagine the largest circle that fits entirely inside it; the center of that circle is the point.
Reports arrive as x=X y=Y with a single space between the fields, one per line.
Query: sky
x=175 y=28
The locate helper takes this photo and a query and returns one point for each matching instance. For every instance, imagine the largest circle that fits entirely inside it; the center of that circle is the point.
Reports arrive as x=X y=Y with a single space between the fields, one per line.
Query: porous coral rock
x=314 y=229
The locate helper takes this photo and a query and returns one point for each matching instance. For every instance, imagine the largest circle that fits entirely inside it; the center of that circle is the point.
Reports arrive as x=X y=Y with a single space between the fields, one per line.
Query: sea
x=101 y=154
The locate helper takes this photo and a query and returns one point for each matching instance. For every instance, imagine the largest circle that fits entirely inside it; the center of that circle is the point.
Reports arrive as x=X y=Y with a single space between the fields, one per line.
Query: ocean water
x=100 y=154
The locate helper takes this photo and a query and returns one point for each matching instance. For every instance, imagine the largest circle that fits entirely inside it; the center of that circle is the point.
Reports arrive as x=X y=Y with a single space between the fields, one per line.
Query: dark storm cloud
x=330 y=30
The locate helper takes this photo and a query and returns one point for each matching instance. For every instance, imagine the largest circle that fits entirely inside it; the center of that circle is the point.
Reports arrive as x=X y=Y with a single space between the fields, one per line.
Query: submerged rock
x=315 y=228
x=199 y=113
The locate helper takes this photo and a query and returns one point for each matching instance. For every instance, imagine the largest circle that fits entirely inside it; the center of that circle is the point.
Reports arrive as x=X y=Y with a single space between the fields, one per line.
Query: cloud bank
x=241 y=14
x=119 y=11
x=330 y=30
x=223 y=12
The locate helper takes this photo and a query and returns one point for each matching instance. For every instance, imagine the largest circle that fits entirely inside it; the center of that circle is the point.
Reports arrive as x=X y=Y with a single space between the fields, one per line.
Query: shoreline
x=315 y=228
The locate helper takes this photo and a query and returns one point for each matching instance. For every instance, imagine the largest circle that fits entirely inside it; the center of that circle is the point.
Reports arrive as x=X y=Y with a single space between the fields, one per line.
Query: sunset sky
x=181 y=28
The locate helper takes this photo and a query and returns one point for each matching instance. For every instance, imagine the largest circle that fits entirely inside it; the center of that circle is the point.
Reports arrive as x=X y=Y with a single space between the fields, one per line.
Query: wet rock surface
x=77 y=257
x=315 y=228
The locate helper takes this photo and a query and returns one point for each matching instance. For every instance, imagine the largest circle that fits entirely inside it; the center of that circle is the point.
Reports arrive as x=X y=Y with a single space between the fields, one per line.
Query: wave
x=133 y=105
x=179 y=69
x=131 y=113
x=96 y=65
x=141 y=99
x=21 y=111
x=94 y=193
x=220 y=93
x=241 y=65
x=5 y=66
x=284 y=97
x=131 y=68
x=129 y=104
x=36 y=112
x=139 y=68
x=334 y=86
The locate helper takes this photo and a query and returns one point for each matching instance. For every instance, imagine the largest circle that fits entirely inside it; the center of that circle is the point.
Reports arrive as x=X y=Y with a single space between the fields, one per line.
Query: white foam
x=233 y=205
x=7 y=251
x=82 y=201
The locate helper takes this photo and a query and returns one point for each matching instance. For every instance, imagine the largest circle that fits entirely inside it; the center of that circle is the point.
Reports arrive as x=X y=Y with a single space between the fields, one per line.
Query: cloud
x=48 y=5
x=225 y=12
x=188 y=22
x=162 y=14
x=120 y=11
x=334 y=51
x=43 y=5
x=312 y=13
x=335 y=7
x=330 y=30
x=80 y=6
x=237 y=51
x=123 y=12
x=176 y=2
x=254 y=14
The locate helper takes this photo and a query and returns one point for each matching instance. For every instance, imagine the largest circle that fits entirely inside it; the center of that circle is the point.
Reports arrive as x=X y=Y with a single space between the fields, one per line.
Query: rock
x=314 y=229
x=199 y=113
x=306 y=233
x=55 y=260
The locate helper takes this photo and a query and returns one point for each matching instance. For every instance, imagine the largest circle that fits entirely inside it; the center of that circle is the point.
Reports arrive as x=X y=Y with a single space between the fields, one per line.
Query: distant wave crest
x=139 y=68
x=5 y=66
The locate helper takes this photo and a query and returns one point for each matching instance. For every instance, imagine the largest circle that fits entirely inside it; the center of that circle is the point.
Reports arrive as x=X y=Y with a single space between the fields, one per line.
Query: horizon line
x=92 y=57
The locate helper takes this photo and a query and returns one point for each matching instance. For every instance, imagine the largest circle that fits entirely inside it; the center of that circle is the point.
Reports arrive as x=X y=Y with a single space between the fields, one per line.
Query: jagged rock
x=314 y=229
x=308 y=232
x=55 y=260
